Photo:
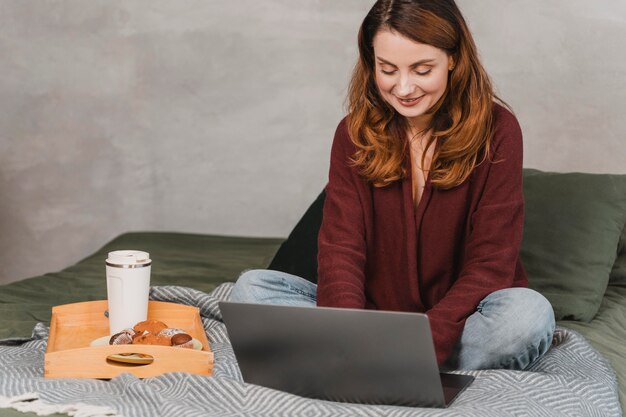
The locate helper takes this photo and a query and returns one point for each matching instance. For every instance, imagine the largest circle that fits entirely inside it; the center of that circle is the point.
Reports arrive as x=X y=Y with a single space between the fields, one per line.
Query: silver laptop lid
x=337 y=354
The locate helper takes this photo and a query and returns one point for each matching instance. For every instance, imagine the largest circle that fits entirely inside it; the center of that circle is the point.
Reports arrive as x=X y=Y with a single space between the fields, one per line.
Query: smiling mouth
x=409 y=100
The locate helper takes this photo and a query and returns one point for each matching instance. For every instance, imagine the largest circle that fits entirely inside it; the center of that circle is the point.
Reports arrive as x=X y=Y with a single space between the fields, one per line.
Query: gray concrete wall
x=217 y=117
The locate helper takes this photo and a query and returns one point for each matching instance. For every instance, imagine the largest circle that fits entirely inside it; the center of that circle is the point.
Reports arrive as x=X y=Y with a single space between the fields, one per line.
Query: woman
x=424 y=203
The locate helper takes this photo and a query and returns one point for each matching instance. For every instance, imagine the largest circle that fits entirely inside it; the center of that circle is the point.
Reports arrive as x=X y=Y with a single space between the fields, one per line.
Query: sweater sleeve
x=492 y=248
x=341 y=239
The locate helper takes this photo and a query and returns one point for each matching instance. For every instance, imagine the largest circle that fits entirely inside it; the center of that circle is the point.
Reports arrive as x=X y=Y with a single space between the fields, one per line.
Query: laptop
x=339 y=354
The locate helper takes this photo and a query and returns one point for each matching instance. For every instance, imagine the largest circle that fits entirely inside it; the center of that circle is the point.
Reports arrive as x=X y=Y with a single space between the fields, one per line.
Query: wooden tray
x=74 y=326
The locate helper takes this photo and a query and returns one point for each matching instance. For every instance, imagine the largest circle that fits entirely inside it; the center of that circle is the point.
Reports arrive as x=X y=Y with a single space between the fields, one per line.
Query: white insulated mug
x=128 y=288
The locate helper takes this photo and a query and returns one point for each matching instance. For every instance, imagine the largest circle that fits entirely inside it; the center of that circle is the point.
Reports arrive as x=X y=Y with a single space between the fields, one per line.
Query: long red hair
x=462 y=118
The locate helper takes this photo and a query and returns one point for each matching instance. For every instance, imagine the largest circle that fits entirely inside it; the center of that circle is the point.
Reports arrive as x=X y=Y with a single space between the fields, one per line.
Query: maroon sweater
x=376 y=251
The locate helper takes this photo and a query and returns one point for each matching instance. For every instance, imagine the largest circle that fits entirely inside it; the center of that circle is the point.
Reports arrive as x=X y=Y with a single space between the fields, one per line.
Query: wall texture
x=217 y=117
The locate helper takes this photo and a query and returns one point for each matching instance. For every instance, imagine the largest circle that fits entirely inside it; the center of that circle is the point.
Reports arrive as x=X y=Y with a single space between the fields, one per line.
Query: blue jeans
x=510 y=329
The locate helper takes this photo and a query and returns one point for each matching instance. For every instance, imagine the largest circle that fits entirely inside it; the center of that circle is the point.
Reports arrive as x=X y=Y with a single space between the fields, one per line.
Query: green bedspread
x=197 y=261
x=204 y=261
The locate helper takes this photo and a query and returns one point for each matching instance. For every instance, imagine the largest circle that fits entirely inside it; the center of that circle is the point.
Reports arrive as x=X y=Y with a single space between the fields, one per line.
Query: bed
x=207 y=263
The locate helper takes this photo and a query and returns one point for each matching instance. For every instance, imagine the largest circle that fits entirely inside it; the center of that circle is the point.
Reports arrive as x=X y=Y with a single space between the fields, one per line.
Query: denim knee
x=511 y=329
x=518 y=306
x=530 y=322
x=244 y=289
x=252 y=276
x=267 y=286
x=533 y=313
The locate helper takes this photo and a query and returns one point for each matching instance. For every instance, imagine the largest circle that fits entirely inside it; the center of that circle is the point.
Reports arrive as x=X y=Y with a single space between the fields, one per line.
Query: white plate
x=134 y=358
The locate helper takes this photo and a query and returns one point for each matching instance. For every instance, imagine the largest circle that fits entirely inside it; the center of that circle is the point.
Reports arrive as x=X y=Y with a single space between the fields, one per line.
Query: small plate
x=134 y=358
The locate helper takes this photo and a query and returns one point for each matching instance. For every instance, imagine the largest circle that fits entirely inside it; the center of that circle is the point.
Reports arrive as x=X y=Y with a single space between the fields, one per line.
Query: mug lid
x=128 y=257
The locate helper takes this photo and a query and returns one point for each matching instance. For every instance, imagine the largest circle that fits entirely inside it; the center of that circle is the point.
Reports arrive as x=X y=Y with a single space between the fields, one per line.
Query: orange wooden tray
x=74 y=326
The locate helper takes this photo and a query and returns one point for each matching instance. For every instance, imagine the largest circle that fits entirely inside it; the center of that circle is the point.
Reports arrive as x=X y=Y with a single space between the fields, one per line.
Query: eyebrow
x=415 y=64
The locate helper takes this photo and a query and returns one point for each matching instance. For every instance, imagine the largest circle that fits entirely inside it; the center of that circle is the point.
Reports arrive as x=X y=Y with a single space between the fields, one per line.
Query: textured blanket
x=572 y=379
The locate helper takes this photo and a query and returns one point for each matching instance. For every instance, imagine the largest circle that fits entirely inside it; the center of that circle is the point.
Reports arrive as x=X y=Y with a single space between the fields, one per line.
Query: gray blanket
x=572 y=379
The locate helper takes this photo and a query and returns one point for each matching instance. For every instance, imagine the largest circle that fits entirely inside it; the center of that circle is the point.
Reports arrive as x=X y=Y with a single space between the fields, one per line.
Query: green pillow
x=618 y=274
x=572 y=227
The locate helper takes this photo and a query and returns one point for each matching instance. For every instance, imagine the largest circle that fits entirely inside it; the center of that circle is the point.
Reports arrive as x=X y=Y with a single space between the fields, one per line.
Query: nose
x=406 y=86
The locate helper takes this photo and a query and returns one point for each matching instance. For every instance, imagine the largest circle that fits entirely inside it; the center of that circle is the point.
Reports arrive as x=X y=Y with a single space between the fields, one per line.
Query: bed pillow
x=298 y=254
x=573 y=223
x=618 y=273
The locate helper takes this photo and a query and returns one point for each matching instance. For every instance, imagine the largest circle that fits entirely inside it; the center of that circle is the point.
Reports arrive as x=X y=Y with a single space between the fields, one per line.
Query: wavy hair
x=461 y=119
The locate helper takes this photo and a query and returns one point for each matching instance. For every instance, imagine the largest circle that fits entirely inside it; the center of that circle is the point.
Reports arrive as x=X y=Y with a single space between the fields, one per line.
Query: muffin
x=182 y=340
x=150 y=326
x=169 y=332
x=152 y=339
x=125 y=337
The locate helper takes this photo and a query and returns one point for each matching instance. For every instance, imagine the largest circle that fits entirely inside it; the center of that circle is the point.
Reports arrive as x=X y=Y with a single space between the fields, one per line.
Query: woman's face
x=410 y=76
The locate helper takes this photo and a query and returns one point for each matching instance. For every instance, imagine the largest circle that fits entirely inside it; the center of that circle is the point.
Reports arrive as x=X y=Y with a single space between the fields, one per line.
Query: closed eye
x=417 y=72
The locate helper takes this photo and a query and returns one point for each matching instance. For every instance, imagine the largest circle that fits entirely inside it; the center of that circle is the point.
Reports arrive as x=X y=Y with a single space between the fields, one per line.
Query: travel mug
x=128 y=287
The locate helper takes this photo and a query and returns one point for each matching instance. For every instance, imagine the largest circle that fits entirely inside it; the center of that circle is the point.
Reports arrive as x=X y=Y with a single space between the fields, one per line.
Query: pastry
x=153 y=332
x=137 y=334
x=125 y=337
x=152 y=339
x=182 y=340
x=169 y=332
x=151 y=326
